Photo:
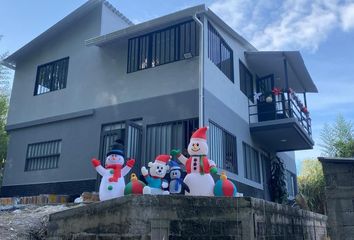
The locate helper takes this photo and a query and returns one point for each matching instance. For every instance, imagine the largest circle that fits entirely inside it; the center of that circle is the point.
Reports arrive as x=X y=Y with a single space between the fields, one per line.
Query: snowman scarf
x=117 y=171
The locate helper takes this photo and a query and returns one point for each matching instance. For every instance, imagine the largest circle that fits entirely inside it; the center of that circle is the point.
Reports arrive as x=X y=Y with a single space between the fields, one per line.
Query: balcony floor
x=281 y=135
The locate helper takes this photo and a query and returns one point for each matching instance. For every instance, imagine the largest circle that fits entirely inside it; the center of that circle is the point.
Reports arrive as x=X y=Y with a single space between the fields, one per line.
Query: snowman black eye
x=198 y=144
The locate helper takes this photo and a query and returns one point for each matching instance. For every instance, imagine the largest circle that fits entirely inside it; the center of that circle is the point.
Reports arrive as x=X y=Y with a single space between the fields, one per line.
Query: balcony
x=278 y=116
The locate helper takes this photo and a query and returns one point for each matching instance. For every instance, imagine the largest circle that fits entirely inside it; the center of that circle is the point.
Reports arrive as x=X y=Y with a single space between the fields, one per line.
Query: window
x=222 y=148
x=290 y=184
x=246 y=81
x=44 y=155
x=51 y=76
x=162 y=138
x=220 y=53
x=251 y=161
x=165 y=46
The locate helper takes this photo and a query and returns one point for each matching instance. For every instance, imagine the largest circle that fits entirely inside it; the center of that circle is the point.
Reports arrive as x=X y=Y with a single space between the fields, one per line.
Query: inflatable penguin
x=177 y=186
x=198 y=166
x=112 y=183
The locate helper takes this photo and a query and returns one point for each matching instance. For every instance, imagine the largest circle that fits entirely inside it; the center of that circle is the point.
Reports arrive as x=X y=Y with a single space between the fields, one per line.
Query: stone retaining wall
x=182 y=217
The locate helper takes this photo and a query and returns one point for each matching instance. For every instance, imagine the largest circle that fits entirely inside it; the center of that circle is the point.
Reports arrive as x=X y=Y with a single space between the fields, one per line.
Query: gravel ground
x=26 y=221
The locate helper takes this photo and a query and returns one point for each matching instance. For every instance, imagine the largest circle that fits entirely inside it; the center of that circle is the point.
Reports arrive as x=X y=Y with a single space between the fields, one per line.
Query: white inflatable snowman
x=112 y=183
x=198 y=166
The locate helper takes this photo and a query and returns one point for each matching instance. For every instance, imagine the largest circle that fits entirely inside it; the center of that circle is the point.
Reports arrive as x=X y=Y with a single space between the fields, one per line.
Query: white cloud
x=275 y=25
x=347 y=17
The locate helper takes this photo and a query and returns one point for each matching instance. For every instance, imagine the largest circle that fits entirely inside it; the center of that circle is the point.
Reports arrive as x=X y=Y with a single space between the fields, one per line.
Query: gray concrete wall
x=339 y=191
x=97 y=77
x=81 y=137
x=110 y=21
x=181 y=217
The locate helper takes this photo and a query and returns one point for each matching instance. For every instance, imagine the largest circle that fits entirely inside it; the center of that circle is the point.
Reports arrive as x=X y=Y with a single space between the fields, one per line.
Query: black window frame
x=149 y=46
x=62 y=79
x=247 y=87
x=217 y=48
x=252 y=164
x=41 y=151
x=229 y=146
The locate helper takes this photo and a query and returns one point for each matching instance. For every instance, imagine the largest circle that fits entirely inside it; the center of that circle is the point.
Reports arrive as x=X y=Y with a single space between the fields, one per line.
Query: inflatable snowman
x=154 y=176
x=112 y=183
x=198 y=166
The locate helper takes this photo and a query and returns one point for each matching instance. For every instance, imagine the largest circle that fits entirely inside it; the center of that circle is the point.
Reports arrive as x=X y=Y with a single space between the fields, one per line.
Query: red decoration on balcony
x=276 y=91
x=304 y=110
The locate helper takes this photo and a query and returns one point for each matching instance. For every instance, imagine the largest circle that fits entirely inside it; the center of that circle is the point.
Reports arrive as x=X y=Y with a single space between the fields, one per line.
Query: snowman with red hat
x=198 y=166
x=112 y=183
x=154 y=176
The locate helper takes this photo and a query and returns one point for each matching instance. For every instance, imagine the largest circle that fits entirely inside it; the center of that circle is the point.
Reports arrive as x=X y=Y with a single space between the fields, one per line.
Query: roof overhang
x=165 y=21
x=146 y=27
x=273 y=62
x=336 y=160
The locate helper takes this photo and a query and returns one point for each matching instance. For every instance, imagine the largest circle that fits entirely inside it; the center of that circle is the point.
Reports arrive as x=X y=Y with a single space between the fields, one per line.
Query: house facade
x=95 y=77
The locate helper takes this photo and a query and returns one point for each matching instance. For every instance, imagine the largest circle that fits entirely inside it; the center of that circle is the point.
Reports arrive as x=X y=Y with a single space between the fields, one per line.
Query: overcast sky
x=322 y=30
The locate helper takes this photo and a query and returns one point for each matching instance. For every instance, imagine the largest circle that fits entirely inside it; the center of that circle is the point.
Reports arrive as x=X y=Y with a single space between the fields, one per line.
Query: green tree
x=277 y=181
x=311 y=185
x=4 y=103
x=338 y=138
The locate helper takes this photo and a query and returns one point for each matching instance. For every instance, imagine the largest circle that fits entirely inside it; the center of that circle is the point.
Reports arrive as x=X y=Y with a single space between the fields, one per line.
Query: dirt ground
x=26 y=221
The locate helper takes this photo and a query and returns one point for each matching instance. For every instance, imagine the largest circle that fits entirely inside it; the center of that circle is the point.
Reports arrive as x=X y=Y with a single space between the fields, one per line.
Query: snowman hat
x=174 y=165
x=163 y=158
x=117 y=148
x=200 y=134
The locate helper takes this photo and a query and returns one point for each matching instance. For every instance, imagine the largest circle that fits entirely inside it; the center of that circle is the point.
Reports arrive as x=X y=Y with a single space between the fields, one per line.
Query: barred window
x=290 y=184
x=220 y=53
x=246 y=81
x=51 y=76
x=251 y=162
x=222 y=148
x=43 y=155
x=164 y=137
x=168 y=45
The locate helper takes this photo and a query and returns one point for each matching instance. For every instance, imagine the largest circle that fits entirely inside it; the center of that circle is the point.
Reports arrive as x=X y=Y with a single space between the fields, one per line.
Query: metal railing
x=284 y=107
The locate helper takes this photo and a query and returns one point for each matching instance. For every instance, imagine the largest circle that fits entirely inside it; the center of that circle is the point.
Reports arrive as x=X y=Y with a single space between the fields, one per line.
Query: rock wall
x=182 y=217
x=339 y=190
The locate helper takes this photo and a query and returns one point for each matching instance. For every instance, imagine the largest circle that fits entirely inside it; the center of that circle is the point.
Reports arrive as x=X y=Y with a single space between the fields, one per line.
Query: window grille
x=168 y=45
x=220 y=53
x=43 y=155
x=51 y=76
x=246 y=81
x=222 y=148
x=251 y=162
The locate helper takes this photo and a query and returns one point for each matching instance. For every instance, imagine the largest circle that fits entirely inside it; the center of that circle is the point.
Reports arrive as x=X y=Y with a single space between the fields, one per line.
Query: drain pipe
x=201 y=70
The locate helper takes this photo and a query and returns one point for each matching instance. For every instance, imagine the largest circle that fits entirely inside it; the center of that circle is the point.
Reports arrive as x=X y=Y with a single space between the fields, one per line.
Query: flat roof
x=264 y=63
x=336 y=160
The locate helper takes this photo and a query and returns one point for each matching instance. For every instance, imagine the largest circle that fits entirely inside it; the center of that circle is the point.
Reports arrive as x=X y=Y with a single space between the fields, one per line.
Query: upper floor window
x=246 y=81
x=168 y=45
x=220 y=53
x=51 y=76
x=223 y=148
x=251 y=162
x=43 y=155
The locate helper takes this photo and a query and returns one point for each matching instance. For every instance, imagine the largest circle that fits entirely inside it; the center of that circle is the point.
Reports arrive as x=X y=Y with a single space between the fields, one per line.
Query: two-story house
x=95 y=77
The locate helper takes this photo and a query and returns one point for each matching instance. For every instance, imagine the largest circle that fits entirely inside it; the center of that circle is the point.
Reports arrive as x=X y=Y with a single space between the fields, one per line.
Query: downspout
x=201 y=70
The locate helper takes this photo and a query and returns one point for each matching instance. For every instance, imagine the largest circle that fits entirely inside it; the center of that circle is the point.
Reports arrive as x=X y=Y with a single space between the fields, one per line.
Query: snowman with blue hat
x=112 y=183
x=176 y=186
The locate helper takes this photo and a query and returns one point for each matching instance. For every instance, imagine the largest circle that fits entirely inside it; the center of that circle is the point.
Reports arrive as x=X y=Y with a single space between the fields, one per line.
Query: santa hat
x=200 y=134
x=163 y=159
x=117 y=148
